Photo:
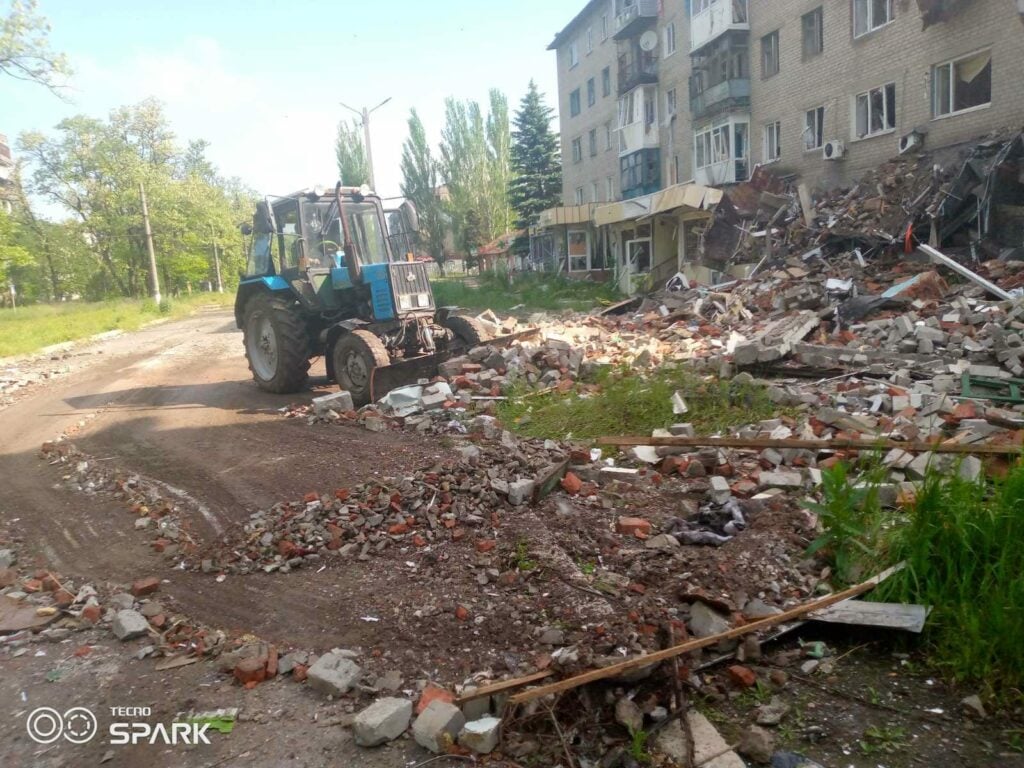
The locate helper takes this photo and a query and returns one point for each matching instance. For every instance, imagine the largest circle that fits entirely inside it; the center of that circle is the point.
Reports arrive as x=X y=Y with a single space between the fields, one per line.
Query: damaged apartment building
x=667 y=105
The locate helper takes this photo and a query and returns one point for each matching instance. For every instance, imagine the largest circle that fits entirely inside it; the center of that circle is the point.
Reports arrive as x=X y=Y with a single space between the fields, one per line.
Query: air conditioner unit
x=911 y=141
x=834 y=150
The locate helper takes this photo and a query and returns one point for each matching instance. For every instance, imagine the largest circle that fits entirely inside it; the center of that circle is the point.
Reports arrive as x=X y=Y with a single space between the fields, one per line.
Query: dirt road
x=175 y=402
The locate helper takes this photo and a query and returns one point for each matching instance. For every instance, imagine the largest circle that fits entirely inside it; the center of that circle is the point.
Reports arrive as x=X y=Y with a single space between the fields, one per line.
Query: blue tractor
x=330 y=274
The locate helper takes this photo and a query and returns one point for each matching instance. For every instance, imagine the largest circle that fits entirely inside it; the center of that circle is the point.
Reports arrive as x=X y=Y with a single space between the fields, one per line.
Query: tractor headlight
x=422 y=300
x=405 y=302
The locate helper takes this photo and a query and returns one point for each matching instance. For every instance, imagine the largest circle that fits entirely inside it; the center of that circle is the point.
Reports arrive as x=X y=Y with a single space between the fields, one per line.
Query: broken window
x=814 y=128
x=577 y=150
x=579 y=250
x=772 y=141
x=671 y=103
x=813 y=32
x=962 y=84
x=770 y=54
x=869 y=15
x=739 y=11
x=574 y=103
x=876 y=111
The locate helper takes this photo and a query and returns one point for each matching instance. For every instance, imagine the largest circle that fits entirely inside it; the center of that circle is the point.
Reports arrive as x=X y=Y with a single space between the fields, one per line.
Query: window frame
x=604 y=27
x=575 y=103
x=818 y=16
x=609 y=187
x=889 y=125
x=609 y=132
x=569 y=256
x=671 y=103
x=574 y=55
x=951 y=65
x=592 y=142
x=606 y=82
x=818 y=128
x=591 y=92
x=773 y=38
x=869 y=8
x=577 y=149
x=590 y=40
x=669 y=42
x=771 y=151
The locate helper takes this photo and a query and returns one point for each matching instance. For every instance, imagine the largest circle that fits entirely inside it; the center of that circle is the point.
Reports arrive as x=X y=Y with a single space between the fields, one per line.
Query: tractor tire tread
x=293 y=347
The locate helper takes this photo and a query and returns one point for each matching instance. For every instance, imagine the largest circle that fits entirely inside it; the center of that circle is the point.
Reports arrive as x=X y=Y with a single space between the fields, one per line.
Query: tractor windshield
x=327 y=240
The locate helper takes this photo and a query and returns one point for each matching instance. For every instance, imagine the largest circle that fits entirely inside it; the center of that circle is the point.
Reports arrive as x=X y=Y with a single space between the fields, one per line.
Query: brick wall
x=606 y=163
x=900 y=52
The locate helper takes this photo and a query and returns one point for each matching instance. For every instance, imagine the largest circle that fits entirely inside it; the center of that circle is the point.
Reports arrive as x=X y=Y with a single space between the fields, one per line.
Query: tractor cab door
x=289 y=237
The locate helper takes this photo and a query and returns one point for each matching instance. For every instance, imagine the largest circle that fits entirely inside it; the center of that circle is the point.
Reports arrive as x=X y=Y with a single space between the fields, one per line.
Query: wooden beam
x=502 y=686
x=756 y=443
x=693 y=645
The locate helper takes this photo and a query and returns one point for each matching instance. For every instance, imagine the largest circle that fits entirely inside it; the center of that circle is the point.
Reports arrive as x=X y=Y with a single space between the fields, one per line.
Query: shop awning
x=574 y=214
x=627 y=210
x=691 y=196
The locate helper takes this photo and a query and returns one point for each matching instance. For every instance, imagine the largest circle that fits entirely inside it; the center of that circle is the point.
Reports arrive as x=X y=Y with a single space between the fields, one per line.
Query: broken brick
x=742 y=676
x=486 y=545
x=461 y=613
x=634 y=526
x=433 y=693
x=92 y=613
x=145 y=586
x=251 y=670
x=571 y=483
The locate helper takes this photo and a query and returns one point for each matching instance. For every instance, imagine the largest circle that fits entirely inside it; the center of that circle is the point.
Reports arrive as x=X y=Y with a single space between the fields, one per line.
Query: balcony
x=637 y=72
x=637 y=136
x=715 y=19
x=717 y=98
x=634 y=16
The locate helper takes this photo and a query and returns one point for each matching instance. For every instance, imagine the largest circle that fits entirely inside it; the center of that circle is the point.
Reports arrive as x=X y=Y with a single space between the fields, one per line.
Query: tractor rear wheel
x=468 y=331
x=276 y=345
x=354 y=358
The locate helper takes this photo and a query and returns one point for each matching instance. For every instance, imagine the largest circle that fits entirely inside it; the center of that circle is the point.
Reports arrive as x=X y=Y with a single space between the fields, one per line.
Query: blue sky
x=262 y=80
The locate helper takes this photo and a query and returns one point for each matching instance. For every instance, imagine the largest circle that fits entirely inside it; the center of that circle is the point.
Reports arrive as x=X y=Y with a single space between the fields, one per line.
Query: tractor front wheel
x=354 y=357
x=276 y=345
x=468 y=332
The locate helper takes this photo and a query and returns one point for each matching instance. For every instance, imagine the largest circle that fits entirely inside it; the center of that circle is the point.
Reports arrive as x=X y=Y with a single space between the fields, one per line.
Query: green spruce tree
x=419 y=184
x=536 y=164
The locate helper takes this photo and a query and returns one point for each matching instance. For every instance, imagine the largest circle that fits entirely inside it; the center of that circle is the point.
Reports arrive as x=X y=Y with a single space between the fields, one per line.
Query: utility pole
x=364 y=115
x=153 y=279
x=216 y=261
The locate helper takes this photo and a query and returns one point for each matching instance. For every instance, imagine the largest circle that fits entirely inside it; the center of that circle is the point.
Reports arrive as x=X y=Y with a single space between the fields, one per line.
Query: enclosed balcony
x=634 y=16
x=635 y=69
x=711 y=19
x=728 y=94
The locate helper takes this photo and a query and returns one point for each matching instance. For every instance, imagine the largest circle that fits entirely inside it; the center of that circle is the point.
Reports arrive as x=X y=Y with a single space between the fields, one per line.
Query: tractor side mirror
x=410 y=216
x=245 y=228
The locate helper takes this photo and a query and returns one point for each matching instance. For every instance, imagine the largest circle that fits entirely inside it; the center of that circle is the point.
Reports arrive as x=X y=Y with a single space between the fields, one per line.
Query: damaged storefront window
x=579 y=250
x=962 y=84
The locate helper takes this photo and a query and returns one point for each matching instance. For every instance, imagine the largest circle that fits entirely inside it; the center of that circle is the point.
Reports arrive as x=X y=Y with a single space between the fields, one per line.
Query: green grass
x=28 y=329
x=536 y=292
x=962 y=543
x=628 y=403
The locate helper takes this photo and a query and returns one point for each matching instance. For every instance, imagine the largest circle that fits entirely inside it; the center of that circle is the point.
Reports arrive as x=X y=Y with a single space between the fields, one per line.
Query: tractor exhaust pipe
x=352 y=260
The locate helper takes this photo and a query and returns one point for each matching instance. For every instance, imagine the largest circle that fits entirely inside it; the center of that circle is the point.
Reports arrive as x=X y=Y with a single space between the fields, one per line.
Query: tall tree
x=499 y=144
x=419 y=184
x=353 y=166
x=25 y=52
x=536 y=164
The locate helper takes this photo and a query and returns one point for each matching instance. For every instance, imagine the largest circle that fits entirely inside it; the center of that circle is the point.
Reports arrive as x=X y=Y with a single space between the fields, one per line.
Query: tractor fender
x=273 y=284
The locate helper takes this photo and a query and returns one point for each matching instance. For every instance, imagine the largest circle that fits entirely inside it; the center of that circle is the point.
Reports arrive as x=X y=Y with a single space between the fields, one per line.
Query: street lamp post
x=364 y=115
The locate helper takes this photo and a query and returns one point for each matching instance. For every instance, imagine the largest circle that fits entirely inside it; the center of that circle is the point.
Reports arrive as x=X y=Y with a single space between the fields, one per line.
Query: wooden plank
x=757 y=443
x=502 y=686
x=693 y=645
x=908 y=618
x=16 y=616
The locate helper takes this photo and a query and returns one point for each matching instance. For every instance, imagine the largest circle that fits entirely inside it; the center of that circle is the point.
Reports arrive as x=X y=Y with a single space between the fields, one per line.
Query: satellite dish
x=649 y=40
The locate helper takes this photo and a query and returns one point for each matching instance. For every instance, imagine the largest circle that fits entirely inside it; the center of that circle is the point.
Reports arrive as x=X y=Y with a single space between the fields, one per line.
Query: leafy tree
x=499 y=144
x=12 y=255
x=419 y=184
x=536 y=166
x=353 y=165
x=93 y=169
x=25 y=52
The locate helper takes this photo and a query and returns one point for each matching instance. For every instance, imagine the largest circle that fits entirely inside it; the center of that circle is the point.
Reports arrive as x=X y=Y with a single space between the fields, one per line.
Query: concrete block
x=438 y=726
x=481 y=736
x=384 y=720
x=339 y=402
x=334 y=674
x=129 y=624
